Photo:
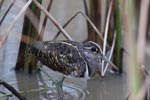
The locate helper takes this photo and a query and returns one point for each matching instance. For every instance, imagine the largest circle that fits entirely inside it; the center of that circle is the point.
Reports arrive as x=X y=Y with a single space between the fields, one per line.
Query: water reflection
x=111 y=87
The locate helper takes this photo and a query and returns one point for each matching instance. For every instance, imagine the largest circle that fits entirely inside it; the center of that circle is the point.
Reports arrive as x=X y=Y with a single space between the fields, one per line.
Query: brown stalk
x=88 y=20
x=6 y=34
x=53 y=20
x=40 y=37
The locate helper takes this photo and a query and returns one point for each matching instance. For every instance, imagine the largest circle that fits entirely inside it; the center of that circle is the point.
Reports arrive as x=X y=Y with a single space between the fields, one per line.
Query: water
x=37 y=86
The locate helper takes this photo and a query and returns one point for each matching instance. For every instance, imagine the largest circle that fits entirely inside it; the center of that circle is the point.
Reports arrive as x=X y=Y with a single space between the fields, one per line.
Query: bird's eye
x=94 y=49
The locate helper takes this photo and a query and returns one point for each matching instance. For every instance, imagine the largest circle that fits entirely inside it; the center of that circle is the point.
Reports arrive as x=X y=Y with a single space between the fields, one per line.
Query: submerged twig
x=2 y=93
x=3 y=39
x=10 y=88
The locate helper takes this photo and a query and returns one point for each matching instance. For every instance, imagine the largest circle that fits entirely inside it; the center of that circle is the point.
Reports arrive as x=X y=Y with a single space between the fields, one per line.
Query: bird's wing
x=61 y=56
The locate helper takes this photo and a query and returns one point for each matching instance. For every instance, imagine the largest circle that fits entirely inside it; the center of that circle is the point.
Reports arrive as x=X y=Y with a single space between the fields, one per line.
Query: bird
x=76 y=59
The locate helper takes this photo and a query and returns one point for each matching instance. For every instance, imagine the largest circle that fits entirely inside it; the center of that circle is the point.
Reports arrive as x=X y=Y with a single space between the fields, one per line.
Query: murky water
x=37 y=86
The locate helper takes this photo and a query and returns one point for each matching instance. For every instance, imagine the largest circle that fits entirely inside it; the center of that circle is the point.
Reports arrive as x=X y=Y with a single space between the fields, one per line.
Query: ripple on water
x=71 y=92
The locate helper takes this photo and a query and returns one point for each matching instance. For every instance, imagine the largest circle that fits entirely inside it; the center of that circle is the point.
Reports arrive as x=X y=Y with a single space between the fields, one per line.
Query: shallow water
x=38 y=87
x=35 y=86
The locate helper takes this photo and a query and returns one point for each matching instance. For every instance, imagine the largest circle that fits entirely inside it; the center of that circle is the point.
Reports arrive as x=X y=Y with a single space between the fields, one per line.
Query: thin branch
x=86 y=17
x=93 y=26
x=44 y=22
x=106 y=28
x=110 y=55
x=106 y=32
x=66 y=25
x=85 y=7
x=12 y=3
x=53 y=20
x=3 y=39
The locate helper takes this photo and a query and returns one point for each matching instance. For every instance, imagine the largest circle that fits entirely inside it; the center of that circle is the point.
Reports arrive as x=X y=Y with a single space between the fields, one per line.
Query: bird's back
x=62 y=56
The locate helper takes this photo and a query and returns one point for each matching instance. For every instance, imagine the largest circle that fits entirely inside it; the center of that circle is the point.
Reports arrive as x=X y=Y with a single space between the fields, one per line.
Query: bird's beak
x=109 y=62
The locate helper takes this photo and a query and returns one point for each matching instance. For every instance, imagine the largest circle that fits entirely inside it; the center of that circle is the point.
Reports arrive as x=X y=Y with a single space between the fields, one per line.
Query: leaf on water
x=3 y=39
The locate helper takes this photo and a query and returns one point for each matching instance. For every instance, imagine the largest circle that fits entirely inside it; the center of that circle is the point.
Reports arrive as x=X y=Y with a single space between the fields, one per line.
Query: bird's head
x=94 y=56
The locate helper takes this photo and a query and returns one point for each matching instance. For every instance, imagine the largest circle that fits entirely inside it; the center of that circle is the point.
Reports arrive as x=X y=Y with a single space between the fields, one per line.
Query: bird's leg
x=57 y=83
x=59 y=87
x=40 y=69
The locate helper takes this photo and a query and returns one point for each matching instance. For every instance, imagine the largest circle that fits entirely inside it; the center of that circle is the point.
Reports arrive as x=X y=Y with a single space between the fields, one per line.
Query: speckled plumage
x=69 y=57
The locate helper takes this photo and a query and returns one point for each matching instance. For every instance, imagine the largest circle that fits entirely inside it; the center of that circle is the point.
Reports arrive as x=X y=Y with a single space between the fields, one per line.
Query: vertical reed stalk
x=28 y=30
x=130 y=26
x=118 y=44
x=95 y=16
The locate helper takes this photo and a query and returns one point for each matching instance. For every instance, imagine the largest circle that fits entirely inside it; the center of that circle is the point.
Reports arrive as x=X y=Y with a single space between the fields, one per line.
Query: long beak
x=108 y=61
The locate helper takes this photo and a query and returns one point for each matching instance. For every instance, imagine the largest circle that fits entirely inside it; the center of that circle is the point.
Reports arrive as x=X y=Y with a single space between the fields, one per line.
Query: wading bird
x=76 y=59
x=70 y=58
